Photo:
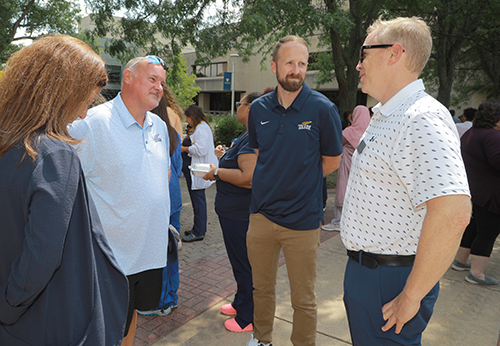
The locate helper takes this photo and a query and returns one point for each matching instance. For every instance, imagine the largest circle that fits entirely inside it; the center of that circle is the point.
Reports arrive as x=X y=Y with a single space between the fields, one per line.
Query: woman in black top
x=481 y=154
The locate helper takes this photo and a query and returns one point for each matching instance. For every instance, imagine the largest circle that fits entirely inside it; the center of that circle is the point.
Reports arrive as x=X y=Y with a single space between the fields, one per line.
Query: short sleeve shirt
x=409 y=154
x=231 y=201
x=126 y=165
x=288 y=177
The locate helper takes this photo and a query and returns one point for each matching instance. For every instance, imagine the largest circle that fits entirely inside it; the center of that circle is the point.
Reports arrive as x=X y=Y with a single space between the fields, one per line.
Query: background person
x=466 y=118
x=125 y=156
x=174 y=109
x=350 y=140
x=407 y=200
x=481 y=154
x=200 y=150
x=50 y=226
x=297 y=136
x=170 y=284
x=232 y=205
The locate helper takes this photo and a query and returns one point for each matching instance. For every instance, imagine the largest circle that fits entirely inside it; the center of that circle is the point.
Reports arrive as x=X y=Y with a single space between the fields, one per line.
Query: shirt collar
x=395 y=101
x=299 y=100
x=127 y=118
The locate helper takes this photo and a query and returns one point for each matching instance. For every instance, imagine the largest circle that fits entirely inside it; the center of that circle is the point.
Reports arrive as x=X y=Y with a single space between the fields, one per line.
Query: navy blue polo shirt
x=288 y=178
x=231 y=201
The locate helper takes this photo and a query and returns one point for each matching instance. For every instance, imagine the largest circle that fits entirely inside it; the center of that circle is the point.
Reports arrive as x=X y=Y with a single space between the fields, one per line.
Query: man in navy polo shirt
x=296 y=133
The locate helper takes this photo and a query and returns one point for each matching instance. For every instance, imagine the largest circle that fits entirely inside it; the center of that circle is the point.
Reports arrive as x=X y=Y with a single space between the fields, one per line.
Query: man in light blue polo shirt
x=124 y=151
x=297 y=135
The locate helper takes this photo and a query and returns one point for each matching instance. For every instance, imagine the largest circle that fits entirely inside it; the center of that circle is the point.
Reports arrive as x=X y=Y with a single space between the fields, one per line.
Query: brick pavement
x=205 y=273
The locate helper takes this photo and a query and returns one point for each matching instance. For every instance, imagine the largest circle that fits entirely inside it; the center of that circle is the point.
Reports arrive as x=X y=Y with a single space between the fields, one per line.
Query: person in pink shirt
x=350 y=139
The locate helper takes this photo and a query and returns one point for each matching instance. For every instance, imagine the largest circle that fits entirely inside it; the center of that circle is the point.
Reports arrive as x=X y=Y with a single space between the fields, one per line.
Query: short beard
x=288 y=85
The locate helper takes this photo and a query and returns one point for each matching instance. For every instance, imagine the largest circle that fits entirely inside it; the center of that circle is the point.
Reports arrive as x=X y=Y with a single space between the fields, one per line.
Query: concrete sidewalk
x=465 y=314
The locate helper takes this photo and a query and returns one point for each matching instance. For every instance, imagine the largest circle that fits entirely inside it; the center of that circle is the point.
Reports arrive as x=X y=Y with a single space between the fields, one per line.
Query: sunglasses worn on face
x=371 y=46
x=152 y=59
x=242 y=103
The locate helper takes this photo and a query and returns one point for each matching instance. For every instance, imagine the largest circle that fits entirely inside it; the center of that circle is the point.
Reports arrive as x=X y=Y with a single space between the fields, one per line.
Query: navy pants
x=366 y=291
x=235 y=239
x=199 y=204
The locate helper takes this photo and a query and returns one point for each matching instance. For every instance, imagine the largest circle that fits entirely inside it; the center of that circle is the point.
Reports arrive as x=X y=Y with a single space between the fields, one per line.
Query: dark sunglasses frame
x=371 y=46
x=242 y=103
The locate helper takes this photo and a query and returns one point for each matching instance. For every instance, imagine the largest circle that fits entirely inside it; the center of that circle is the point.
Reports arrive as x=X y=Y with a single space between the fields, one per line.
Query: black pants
x=482 y=231
x=144 y=292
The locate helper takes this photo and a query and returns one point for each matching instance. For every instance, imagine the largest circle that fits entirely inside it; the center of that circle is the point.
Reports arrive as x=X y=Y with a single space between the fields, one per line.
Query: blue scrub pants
x=235 y=239
x=366 y=291
x=199 y=204
x=170 y=283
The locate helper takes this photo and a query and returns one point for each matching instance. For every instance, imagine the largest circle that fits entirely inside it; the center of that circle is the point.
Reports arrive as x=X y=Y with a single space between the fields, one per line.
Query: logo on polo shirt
x=306 y=125
x=157 y=138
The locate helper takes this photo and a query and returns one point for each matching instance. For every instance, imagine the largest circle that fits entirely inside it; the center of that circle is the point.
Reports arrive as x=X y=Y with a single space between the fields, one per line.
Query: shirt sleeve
x=331 y=132
x=200 y=139
x=80 y=130
x=428 y=160
x=54 y=185
x=252 y=135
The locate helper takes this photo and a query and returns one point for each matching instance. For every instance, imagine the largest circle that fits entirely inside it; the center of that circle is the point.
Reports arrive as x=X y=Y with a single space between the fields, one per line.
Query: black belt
x=372 y=260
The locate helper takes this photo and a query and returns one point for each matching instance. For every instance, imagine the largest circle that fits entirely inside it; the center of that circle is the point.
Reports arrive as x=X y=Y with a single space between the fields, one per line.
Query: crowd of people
x=91 y=200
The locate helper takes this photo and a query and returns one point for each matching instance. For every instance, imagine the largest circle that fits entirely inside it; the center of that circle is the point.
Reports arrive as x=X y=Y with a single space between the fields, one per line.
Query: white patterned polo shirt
x=409 y=154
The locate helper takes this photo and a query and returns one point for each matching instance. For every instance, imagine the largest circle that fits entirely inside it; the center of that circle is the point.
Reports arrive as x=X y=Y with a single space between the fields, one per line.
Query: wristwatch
x=216 y=174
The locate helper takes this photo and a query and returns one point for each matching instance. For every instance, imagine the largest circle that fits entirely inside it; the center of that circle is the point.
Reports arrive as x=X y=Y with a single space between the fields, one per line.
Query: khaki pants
x=265 y=239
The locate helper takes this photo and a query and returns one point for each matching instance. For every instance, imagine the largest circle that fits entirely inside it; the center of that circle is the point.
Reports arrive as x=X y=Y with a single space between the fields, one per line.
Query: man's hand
x=399 y=311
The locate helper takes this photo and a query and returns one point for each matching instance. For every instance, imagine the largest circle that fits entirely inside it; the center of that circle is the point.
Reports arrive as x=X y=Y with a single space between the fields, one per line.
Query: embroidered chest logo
x=157 y=138
x=306 y=125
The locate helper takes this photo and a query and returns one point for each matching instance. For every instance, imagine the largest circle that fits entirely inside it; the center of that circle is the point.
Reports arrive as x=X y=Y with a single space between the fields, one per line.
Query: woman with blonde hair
x=174 y=109
x=59 y=281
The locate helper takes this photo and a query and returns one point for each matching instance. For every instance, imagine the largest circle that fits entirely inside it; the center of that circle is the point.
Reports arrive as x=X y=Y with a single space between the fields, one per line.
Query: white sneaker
x=330 y=227
x=254 y=342
x=159 y=312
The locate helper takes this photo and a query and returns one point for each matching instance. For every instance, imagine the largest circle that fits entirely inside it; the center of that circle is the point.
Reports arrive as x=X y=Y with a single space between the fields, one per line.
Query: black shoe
x=188 y=232
x=191 y=237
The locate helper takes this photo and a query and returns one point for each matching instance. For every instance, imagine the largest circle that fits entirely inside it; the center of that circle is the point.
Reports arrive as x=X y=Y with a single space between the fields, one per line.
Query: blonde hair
x=44 y=86
x=172 y=101
x=289 y=38
x=412 y=33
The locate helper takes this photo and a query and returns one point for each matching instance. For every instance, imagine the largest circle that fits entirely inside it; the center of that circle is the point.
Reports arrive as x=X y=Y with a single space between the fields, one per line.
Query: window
x=212 y=70
x=114 y=74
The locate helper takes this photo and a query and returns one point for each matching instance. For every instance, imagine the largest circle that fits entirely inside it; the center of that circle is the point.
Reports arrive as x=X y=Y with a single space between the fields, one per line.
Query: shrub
x=227 y=129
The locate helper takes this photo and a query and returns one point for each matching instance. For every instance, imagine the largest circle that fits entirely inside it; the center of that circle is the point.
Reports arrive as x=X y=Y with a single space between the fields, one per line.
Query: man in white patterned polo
x=407 y=201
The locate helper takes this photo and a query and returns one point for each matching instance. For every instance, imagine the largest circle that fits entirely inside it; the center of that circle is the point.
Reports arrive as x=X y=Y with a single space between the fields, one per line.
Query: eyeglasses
x=242 y=103
x=371 y=46
x=152 y=59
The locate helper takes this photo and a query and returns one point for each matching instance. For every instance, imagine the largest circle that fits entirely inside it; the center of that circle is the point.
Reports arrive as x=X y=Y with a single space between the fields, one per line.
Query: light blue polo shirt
x=125 y=166
x=288 y=178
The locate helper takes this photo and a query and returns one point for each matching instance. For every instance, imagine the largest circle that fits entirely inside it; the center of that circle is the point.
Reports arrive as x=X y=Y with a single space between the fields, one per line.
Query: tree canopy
x=464 y=58
x=29 y=19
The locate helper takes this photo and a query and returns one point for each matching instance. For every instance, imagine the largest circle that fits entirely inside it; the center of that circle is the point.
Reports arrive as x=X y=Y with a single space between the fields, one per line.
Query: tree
x=182 y=85
x=149 y=23
x=456 y=27
x=341 y=32
x=29 y=19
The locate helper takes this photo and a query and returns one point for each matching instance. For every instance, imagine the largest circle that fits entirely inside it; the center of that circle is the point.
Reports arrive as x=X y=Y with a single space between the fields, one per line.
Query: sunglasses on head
x=152 y=59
